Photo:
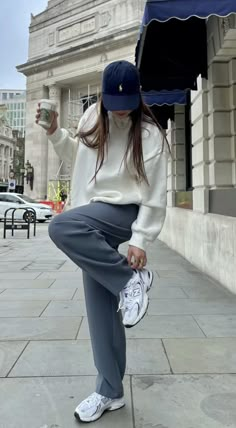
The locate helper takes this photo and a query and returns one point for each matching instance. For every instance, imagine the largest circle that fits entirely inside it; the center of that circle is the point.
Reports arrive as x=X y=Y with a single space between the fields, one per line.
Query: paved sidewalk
x=181 y=358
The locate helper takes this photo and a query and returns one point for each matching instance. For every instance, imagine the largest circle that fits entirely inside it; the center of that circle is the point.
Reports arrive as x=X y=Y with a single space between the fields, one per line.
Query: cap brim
x=121 y=102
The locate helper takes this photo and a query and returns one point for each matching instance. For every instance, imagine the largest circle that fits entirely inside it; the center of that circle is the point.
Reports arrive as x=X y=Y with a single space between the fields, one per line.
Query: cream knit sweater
x=115 y=184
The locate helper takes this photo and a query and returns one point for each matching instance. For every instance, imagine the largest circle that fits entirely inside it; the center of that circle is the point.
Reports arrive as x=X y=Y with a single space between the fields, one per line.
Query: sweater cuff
x=56 y=136
x=139 y=240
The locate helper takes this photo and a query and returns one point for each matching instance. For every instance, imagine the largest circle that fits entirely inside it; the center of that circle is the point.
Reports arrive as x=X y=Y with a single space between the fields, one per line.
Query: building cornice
x=75 y=52
x=62 y=11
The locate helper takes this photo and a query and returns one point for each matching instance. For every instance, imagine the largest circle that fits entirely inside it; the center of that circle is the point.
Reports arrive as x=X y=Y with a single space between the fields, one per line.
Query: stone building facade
x=70 y=43
x=205 y=233
x=7 y=145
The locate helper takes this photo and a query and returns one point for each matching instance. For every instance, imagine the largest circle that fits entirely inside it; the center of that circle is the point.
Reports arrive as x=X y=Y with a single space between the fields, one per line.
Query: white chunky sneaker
x=134 y=299
x=95 y=405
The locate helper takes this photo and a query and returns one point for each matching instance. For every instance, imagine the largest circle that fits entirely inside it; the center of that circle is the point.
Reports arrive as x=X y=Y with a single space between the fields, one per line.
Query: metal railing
x=11 y=223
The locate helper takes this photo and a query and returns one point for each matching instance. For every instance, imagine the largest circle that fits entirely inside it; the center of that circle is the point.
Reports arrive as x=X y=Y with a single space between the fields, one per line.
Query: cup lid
x=47 y=101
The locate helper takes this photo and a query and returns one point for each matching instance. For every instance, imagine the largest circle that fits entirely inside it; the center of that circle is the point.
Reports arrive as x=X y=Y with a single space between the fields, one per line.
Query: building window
x=11 y=95
x=4 y=95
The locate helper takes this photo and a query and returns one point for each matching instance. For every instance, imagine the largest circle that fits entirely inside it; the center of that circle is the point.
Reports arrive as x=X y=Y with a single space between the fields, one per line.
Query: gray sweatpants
x=90 y=236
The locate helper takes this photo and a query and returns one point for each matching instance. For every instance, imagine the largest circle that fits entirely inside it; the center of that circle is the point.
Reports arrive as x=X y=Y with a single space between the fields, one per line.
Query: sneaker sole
x=112 y=408
x=151 y=281
x=142 y=314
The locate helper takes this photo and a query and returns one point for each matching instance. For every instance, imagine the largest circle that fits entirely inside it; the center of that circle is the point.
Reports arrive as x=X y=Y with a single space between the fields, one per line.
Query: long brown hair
x=98 y=136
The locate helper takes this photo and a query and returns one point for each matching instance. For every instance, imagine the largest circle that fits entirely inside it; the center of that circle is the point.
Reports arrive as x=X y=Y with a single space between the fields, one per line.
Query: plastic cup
x=47 y=110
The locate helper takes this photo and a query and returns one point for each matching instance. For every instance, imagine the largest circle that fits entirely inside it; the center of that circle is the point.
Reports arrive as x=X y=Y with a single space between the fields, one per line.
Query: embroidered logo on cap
x=121 y=88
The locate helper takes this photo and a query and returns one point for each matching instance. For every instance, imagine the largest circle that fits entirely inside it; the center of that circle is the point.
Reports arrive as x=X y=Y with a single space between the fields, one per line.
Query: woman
x=118 y=194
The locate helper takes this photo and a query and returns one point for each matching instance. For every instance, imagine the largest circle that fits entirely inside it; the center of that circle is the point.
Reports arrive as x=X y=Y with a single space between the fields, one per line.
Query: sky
x=14 y=35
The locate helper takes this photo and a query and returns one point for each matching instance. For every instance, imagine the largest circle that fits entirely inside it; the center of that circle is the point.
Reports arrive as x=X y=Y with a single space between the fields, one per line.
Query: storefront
x=187 y=49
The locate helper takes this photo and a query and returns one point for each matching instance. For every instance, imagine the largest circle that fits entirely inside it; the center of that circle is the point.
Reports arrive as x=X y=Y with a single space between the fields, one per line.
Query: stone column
x=200 y=148
x=178 y=150
x=53 y=159
x=36 y=143
x=232 y=101
x=170 y=172
x=221 y=127
x=176 y=165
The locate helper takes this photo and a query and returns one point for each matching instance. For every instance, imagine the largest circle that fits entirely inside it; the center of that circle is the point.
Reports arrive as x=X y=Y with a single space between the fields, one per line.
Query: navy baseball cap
x=121 y=86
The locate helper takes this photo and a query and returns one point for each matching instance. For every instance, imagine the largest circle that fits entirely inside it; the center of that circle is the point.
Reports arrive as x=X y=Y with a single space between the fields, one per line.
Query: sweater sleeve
x=152 y=210
x=66 y=146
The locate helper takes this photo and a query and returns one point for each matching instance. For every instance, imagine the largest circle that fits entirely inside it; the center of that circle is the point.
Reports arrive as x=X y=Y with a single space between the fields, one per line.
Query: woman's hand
x=137 y=258
x=54 y=124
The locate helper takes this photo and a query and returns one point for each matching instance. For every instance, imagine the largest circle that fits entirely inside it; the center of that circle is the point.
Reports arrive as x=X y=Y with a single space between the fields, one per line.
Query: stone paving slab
x=25 y=283
x=160 y=292
x=20 y=275
x=38 y=294
x=6 y=266
x=156 y=327
x=39 y=328
x=61 y=275
x=57 y=358
x=35 y=267
x=188 y=276
x=207 y=355
x=22 y=309
x=65 y=309
x=50 y=403
x=153 y=361
x=79 y=295
x=73 y=358
x=183 y=282
x=184 y=401
x=175 y=266
x=9 y=353
x=217 y=325
x=63 y=283
x=192 y=306
x=68 y=266
x=202 y=292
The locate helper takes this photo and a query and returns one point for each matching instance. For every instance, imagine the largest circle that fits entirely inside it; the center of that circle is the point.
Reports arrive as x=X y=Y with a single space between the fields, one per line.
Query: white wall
x=207 y=241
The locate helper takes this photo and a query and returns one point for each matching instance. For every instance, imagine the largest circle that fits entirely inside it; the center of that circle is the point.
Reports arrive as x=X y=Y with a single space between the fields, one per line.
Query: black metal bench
x=19 y=224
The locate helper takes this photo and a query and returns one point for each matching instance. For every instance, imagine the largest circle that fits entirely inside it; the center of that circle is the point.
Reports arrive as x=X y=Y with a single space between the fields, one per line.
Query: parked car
x=16 y=200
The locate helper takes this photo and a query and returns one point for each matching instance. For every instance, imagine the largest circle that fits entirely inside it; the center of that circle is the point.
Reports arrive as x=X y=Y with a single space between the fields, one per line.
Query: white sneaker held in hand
x=134 y=299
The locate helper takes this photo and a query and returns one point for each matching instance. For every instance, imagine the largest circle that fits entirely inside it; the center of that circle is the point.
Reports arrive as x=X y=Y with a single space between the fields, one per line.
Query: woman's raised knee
x=56 y=228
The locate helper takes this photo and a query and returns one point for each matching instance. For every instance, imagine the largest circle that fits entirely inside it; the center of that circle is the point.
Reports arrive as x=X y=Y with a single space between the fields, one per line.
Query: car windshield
x=27 y=199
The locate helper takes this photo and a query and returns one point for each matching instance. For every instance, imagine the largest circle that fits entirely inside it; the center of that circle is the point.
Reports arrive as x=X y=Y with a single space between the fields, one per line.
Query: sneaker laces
x=128 y=293
x=94 y=399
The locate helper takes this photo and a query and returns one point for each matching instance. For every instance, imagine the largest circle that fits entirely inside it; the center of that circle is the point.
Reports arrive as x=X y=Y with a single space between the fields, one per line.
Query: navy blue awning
x=162 y=98
x=172 y=50
x=163 y=10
